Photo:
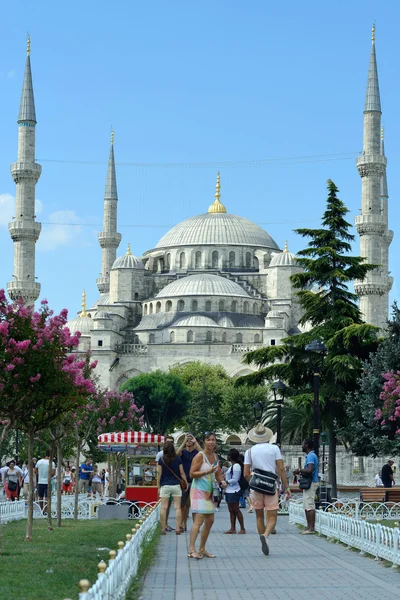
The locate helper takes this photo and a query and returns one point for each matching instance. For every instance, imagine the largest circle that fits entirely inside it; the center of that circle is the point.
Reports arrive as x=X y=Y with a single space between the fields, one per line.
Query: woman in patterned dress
x=203 y=470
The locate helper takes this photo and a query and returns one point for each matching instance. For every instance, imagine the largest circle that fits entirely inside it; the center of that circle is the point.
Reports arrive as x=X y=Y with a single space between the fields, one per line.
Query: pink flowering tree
x=388 y=414
x=40 y=380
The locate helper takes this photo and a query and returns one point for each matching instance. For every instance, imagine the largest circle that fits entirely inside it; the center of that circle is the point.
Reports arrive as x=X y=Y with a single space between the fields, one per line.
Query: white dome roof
x=283 y=259
x=101 y=314
x=128 y=261
x=214 y=229
x=81 y=324
x=202 y=285
x=194 y=321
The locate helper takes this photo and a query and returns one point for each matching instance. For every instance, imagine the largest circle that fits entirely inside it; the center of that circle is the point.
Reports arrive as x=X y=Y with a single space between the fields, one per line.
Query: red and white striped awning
x=130 y=437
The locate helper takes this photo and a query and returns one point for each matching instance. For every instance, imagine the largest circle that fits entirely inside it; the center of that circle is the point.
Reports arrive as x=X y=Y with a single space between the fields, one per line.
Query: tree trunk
x=29 y=522
x=76 y=494
x=59 y=478
x=49 y=478
x=332 y=461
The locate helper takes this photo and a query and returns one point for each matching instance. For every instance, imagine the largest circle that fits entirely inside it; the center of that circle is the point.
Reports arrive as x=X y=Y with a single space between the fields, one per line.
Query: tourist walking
x=12 y=481
x=233 y=492
x=170 y=474
x=204 y=468
x=167 y=438
x=67 y=481
x=85 y=471
x=97 y=486
x=387 y=475
x=187 y=451
x=42 y=469
x=264 y=459
x=310 y=472
x=378 y=479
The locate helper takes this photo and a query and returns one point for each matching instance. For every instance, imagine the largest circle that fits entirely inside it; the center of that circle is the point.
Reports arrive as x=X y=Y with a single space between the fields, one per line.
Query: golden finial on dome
x=83 y=313
x=128 y=252
x=373 y=32
x=286 y=248
x=217 y=206
x=28 y=44
x=112 y=135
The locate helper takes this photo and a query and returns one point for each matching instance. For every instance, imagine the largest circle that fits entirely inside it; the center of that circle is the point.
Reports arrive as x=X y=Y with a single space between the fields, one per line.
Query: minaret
x=24 y=230
x=109 y=239
x=372 y=224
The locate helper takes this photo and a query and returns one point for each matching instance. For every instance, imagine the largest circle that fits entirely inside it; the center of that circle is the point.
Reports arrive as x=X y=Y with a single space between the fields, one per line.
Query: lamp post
x=279 y=389
x=324 y=439
x=318 y=349
x=258 y=410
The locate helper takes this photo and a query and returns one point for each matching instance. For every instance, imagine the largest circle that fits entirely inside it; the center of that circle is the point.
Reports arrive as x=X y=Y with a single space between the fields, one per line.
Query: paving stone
x=242 y=572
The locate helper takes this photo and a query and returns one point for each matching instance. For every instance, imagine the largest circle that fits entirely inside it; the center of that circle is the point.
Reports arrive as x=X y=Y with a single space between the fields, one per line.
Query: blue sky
x=271 y=94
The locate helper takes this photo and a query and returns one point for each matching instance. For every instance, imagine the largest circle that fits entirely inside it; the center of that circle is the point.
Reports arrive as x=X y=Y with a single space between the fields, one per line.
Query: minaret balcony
x=103 y=284
x=27 y=290
x=24 y=230
x=109 y=240
x=371 y=164
x=25 y=171
x=374 y=285
x=370 y=224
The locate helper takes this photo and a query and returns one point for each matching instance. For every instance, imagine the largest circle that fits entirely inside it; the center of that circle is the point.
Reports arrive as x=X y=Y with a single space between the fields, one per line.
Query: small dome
x=283 y=259
x=225 y=321
x=101 y=314
x=202 y=285
x=81 y=324
x=128 y=261
x=194 y=321
x=104 y=300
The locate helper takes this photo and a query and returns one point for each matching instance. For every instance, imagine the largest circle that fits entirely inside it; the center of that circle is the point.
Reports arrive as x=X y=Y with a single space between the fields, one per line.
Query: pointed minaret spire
x=109 y=239
x=24 y=230
x=83 y=311
x=372 y=223
x=372 y=98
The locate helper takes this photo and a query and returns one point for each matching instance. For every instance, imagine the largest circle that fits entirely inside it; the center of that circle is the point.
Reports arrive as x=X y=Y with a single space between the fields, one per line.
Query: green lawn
x=50 y=567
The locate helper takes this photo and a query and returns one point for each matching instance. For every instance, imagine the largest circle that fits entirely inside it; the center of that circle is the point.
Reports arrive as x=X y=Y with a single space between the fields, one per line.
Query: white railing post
x=378 y=528
x=84 y=586
x=396 y=553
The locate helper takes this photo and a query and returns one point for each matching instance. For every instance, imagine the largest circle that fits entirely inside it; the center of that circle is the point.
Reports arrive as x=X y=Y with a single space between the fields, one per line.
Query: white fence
x=12 y=511
x=113 y=580
x=370 y=538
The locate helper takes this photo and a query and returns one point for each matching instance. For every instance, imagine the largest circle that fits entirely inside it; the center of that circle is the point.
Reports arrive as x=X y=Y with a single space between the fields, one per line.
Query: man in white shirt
x=265 y=457
x=42 y=469
x=168 y=438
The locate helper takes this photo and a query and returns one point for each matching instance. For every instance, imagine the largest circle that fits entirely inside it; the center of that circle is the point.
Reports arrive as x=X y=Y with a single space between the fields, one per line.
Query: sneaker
x=264 y=545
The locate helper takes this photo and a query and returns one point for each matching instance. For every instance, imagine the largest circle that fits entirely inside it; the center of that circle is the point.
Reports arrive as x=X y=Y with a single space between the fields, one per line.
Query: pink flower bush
x=390 y=396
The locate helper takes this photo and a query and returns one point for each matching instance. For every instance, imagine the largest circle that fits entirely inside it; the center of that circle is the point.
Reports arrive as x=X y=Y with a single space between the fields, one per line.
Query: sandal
x=208 y=554
x=229 y=532
x=190 y=554
x=242 y=532
x=178 y=532
x=169 y=529
x=199 y=557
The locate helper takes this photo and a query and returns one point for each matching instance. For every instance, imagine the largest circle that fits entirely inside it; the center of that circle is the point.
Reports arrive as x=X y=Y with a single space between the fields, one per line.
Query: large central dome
x=217 y=229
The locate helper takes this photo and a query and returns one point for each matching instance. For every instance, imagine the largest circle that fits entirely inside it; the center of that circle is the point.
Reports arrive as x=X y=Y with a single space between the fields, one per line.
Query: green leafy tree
x=163 y=396
x=331 y=314
x=365 y=433
x=237 y=409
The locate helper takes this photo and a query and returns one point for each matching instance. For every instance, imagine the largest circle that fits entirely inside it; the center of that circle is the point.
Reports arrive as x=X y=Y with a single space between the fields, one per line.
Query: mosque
x=214 y=287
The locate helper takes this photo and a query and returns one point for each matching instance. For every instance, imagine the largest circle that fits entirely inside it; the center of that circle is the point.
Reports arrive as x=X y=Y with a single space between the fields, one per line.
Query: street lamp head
x=279 y=389
x=316 y=346
x=258 y=410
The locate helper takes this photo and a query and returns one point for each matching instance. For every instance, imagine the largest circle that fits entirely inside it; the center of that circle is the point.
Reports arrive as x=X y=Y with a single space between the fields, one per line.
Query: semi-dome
x=203 y=284
x=194 y=321
x=283 y=259
x=217 y=228
x=101 y=314
x=128 y=261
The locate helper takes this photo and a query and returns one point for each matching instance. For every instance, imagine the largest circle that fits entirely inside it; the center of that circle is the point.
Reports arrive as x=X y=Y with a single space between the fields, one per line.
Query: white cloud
x=7 y=208
x=63 y=228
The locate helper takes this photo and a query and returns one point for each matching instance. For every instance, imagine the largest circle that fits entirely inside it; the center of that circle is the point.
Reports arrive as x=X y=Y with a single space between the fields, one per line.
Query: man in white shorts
x=265 y=457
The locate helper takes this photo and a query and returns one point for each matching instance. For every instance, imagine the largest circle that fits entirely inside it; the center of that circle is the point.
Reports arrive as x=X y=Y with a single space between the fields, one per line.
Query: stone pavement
x=298 y=567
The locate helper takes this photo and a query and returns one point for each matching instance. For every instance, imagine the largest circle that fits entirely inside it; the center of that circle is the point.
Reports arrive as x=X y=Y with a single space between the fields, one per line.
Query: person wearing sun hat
x=265 y=457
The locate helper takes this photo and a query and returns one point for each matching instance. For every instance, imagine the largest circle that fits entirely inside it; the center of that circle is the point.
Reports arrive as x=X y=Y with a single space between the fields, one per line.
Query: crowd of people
x=14 y=477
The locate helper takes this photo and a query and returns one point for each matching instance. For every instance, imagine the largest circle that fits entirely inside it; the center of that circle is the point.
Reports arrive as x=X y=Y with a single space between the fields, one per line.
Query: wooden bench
x=373 y=494
x=393 y=495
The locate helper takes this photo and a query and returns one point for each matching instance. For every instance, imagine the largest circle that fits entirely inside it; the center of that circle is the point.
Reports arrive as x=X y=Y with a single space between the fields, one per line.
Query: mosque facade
x=214 y=287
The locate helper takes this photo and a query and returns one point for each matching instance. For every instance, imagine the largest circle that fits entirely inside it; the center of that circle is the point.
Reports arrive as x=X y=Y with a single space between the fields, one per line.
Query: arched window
x=224 y=337
x=245 y=307
x=181 y=305
x=158 y=307
x=145 y=309
x=197 y=260
x=248 y=259
x=256 y=263
x=172 y=336
x=239 y=338
x=194 y=305
x=208 y=336
x=168 y=306
x=189 y=336
x=182 y=260
x=168 y=261
x=234 y=306
x=215 y=258
x=136 y=295
x=257 y=338
x=255 y=308
x=221 y=306
x=232 y=259
x=151 y=308
x=208 y=305
x=152 y=338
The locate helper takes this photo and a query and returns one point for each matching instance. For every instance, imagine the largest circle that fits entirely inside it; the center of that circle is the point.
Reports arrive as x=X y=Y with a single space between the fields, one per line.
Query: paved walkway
x=299 y=567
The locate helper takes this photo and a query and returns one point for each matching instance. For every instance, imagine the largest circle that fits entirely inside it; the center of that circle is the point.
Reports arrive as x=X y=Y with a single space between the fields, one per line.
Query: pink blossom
x=10 y=367
x=35 y=378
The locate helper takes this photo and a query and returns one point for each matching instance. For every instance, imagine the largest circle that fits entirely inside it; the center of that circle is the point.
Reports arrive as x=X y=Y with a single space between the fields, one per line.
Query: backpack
x=243 y=483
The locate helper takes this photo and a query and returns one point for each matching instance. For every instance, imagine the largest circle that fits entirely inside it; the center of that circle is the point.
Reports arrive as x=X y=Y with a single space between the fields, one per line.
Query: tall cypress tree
x=331 y=314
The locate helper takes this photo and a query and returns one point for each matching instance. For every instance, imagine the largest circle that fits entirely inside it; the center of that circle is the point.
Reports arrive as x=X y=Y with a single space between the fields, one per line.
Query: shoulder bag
x=263 y=482
x=12 y=485
x=305 y=481
x=182 y=482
